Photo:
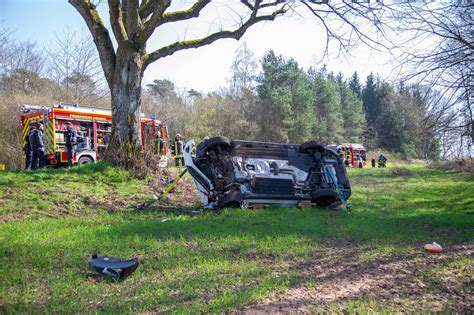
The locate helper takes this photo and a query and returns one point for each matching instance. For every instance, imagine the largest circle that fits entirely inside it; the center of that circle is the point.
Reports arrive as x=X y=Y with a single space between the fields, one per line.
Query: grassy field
x=275 y=259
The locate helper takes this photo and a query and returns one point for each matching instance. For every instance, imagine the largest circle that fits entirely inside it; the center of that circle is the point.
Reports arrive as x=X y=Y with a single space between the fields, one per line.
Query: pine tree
x=355 y=85
x=371 y=101
x=371 y=105
x=329 y=125
x=285 y=100
x=352 y=113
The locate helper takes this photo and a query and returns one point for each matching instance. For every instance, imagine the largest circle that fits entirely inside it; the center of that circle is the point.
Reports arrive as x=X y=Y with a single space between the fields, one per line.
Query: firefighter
x=373 y=162
x=177 y=150
x=27 y=148
x=382 y=161
x=158 y=144
x=71 y=143
x=37 y=147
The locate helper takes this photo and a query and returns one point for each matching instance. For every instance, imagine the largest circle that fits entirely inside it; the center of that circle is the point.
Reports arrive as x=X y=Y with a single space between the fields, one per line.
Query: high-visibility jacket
x=177 y=149
x=159 y=146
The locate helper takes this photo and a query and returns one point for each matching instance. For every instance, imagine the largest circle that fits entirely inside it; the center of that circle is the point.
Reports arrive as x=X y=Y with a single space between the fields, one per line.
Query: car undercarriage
x=238 y=173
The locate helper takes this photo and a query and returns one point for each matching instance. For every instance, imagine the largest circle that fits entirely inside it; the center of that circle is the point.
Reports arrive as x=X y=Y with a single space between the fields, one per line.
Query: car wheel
x=311 y=146
x=215 y=142
x=325 y=198
x=83 y=160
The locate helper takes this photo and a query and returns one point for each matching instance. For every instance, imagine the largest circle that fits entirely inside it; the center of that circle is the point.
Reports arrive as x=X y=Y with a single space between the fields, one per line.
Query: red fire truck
x=353 y=153
x=93 y=128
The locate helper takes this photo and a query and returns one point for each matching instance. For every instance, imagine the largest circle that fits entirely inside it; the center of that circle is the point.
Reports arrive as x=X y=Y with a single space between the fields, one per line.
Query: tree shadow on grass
x=310 y=223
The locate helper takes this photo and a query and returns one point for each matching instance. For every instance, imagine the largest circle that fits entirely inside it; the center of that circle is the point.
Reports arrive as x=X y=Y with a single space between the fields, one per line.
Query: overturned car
x=243 y=174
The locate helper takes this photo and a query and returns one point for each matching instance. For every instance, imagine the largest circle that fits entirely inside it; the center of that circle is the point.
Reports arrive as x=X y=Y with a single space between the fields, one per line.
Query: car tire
x=325 y=198
x=311 y=146
x=215 y=142
x=83 y=160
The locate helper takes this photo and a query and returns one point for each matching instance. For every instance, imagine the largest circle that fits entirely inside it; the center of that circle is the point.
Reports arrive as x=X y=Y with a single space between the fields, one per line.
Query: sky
x=207 y=68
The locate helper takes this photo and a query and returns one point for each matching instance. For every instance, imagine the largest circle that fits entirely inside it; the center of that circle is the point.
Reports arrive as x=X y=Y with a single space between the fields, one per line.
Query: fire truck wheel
x=85 y=160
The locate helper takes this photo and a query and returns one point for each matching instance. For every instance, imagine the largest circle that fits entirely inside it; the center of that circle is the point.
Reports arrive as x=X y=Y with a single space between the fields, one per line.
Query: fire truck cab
x=93 y=127
x=353 y=153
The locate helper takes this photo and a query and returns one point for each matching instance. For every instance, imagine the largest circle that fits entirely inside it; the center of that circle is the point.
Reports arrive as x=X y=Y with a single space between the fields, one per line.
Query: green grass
x=76 y=192
x=210 y=262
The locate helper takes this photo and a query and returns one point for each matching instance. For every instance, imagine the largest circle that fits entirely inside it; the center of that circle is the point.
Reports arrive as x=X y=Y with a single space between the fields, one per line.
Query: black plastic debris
x=113 y=267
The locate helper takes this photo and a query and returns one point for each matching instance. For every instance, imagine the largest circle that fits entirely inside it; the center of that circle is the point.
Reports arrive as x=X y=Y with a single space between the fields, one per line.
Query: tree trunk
x=125 y=140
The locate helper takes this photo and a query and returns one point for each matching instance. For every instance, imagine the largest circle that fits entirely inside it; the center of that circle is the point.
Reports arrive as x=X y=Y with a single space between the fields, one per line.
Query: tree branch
x=159 y=17
x=100 y=34
x=115 y=12
x=183 y=15
x=195 y=43
x=149 y=26
x=147 y=7
x=131 y=18
x=345 y=12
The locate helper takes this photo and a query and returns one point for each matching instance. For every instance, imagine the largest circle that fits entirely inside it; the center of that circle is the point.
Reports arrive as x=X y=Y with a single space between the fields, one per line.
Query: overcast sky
x=206 y=68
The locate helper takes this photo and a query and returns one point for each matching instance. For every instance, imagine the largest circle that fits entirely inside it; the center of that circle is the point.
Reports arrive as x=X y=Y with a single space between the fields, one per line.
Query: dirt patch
x=160 y=181
x=183 y=195
x=183 y=198
x=407 y=282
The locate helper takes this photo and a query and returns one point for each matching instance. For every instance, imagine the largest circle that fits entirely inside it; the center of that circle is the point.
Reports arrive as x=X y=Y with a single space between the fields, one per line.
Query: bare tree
x=134 y=21
x=440 y=50
x=22 y=64
x=5 y=51
x=237 y=111
x=244 y=69
x=73 y=64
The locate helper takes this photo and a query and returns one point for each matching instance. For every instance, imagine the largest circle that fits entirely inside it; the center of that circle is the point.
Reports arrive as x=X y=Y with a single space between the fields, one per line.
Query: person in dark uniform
x=71 y=143
x=37 y=147
x=177 y=150
x=360 y=163
x=382 y=161
x=373 y=162
x=28 y=150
